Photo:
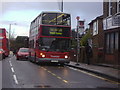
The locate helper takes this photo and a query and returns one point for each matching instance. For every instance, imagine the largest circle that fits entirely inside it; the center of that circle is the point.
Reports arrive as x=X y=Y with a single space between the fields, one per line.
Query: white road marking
x=10 y=59
x=15 y=78
x=12 y=69
x=10 y=63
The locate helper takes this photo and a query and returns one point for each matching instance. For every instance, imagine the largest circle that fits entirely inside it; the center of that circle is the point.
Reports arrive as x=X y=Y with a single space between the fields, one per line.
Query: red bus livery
x=4 y=41
x=49 y=38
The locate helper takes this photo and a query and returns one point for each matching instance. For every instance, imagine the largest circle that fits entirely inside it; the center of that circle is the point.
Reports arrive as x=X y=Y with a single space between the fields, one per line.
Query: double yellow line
x=65 y=81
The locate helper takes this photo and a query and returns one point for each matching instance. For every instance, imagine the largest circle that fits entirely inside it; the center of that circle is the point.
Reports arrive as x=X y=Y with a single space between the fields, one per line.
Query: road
x=25 y=74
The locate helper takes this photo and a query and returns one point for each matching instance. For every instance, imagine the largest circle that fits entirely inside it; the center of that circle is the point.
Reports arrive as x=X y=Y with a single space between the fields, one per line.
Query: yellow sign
x=55 y=31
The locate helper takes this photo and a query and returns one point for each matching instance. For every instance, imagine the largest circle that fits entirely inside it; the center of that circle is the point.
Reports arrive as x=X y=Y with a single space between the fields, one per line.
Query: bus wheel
x=29 y=58
x=62 y=64
x=3 y=56
x=17 y=58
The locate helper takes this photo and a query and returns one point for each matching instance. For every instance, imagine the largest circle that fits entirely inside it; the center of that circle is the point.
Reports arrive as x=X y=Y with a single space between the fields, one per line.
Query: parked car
x=2 y=52
x=22 y=53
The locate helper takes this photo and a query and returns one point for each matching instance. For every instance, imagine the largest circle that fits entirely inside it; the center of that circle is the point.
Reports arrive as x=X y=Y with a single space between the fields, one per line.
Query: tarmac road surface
x=25 y=74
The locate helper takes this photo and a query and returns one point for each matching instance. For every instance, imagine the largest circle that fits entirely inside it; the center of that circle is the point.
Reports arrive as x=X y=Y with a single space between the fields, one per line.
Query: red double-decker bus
x=49 y=38
x=4 y=43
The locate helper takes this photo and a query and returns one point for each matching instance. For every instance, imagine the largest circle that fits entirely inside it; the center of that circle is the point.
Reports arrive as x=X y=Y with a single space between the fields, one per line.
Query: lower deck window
x=112 y=42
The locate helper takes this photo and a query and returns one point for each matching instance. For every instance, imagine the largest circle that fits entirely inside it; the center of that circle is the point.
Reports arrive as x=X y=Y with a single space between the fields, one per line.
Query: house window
x=110 y=7
x=116 y=40
x=118 y=6
x=95 y=28
x=112 y=42
x=107 y=42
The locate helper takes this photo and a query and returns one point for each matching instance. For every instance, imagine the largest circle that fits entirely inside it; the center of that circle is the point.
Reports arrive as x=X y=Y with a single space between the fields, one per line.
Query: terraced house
x=105 y=31
x=96 y=28
x=111 y=27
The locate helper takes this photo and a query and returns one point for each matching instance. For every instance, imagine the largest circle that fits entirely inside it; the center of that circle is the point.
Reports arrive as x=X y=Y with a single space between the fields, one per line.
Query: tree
x=19 y=42
x=85 y=38
x=12 y=35
x=12 y=40
x=22 y=41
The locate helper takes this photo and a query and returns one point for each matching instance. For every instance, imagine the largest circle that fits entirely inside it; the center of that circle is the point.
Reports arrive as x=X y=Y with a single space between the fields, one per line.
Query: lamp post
x=78 y=40
x=10 y=33
x=62 y=6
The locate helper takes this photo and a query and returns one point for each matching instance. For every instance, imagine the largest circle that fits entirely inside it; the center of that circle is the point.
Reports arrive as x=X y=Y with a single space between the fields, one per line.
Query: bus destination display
x=56 y=31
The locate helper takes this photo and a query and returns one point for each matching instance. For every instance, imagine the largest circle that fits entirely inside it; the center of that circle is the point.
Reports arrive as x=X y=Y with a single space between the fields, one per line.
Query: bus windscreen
x=54 y=44
x=56 y=31
x=56 y=19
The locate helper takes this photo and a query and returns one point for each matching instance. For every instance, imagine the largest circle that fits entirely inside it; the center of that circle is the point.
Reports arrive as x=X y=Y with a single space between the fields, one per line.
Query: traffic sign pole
x=78 y=40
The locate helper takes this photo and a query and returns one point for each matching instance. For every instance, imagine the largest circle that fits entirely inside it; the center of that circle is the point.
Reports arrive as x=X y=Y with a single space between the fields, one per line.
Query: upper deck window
x=0 y=43
x=56 y=19
x=1 y=31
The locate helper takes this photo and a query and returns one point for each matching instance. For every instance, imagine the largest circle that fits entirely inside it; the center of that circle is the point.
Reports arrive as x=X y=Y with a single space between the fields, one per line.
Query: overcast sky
x=22 y=13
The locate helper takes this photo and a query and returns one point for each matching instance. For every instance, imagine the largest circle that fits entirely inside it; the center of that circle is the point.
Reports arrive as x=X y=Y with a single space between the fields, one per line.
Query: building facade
x=111 y=27
x=96 y=28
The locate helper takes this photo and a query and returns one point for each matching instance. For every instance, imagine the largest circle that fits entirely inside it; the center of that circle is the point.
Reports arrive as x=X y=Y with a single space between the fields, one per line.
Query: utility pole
x=78 y=40
x=10 y=33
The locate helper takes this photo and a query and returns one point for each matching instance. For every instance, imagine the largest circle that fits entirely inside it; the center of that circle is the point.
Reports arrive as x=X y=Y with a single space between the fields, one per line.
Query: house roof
x=99 y=17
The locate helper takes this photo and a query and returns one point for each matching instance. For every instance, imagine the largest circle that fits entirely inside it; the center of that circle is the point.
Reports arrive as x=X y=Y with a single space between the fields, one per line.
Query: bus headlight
x=43 y=56
x=66 y=56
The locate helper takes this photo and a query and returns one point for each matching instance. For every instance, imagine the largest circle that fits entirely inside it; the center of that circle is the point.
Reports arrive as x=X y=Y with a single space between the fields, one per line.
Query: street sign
x=77 y=17
x=81 y=24
x=78 y=40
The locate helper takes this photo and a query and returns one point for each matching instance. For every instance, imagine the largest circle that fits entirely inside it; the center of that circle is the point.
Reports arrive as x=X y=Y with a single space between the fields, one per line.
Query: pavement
x=108 y=72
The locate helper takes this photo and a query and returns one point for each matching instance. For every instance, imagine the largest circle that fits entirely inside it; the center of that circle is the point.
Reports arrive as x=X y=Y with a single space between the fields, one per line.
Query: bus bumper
x=52 y=60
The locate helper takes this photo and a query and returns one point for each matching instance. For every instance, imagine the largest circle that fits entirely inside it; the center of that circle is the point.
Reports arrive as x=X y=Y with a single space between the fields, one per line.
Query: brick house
x=111 y=27
x=96 y=28
x=105 y=31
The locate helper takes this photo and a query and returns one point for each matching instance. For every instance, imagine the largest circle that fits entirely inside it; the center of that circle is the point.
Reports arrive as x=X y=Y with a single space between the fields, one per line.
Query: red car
x=23 y=53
